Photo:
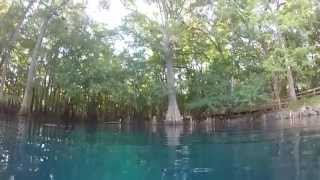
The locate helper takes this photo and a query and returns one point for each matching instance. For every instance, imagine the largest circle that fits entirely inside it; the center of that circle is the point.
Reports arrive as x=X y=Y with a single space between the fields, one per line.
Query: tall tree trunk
x=291 y=90
x=173 y=115
x=276 y=89
x=282 y=41
x=6 y=50
x=26 y=103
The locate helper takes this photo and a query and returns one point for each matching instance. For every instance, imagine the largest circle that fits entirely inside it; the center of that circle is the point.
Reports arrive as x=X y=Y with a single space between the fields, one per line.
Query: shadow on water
x=248 y=149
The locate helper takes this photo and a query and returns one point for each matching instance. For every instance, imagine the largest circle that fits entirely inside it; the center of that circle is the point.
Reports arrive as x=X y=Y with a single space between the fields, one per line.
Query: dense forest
x=191 y=57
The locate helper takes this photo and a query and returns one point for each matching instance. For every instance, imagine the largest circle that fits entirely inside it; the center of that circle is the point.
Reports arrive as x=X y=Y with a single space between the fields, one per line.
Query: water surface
x=272 y=150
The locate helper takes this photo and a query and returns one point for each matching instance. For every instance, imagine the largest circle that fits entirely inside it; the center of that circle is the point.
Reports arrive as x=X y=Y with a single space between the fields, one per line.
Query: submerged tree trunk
x=291 y=89
x=173 y=115
x=26 y=103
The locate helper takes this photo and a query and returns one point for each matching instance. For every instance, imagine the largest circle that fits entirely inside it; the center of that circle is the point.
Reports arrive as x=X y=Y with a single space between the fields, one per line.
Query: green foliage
x=226 y=55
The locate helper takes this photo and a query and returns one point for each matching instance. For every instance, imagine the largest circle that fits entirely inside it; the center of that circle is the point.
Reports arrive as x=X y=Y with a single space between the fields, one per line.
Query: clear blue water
x=31 y=150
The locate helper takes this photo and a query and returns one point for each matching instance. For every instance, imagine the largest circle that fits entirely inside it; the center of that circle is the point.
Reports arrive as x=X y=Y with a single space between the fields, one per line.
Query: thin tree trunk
x=291 y=90
x=173 y=115
x=232 y=84
x=3 y=81
x=92 y=107
x=46 y=94
x=32 y=104
x=276 y=89
x=26 y=103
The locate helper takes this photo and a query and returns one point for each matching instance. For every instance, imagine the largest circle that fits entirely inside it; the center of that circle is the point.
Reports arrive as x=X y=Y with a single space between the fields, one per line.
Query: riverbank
x=303 y=107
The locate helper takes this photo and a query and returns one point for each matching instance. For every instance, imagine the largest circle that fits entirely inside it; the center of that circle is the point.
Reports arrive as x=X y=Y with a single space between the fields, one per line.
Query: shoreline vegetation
x=188 y=60
x=294 y=110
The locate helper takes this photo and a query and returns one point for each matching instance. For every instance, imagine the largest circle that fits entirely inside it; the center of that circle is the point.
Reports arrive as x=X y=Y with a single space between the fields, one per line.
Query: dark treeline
x=192 y=57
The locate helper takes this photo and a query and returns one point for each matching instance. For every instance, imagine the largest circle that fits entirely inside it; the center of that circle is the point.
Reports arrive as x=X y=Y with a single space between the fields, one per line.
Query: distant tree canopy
x=191 y=57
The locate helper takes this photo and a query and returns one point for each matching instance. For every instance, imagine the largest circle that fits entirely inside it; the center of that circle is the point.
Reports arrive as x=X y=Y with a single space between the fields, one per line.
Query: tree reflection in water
x=173 y=134
x=271 y=150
